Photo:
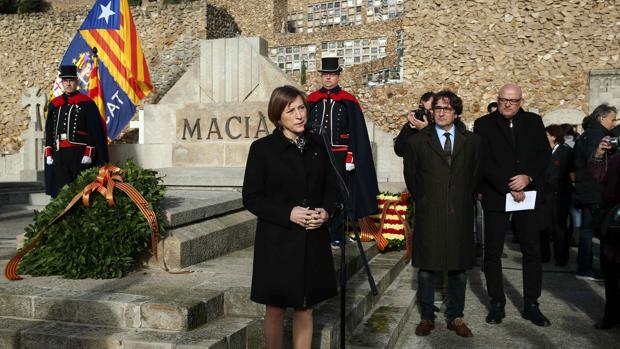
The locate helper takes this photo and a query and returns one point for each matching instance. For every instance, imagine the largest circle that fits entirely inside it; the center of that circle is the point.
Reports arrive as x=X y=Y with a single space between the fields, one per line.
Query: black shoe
x=606 y=324
x=532 y=312
x=496 y=314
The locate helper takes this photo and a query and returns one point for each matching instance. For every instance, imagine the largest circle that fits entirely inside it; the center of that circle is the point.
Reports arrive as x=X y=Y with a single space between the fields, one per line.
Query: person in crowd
x=75 y=134
x=515 y=154
x=570 y=137
x=607 y=170
x=441 y=171
x=588 y=191
x=492 y=107
x=289 y=186
x=338 y=114
x=416 y=120
x=557 y=191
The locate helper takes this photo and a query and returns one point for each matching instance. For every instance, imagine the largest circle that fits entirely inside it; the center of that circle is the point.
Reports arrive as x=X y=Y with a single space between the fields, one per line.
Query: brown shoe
x=458 y=325
x=424 y=328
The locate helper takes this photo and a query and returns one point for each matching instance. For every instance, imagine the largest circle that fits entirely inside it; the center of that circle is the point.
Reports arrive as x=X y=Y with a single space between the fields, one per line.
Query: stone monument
x=34 y=136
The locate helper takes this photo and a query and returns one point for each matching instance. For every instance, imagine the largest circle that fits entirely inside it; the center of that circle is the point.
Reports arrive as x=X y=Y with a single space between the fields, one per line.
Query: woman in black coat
x=288 y=185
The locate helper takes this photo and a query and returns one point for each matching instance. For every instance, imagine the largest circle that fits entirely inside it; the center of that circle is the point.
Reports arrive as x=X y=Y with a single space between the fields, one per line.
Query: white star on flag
x=106 y=12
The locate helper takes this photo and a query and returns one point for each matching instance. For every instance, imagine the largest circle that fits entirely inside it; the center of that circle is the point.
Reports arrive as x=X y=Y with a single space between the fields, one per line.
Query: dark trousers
x=457 y=282
x=67 y=165
x=556 y=215
x=338 y=221
x=585 y=256
x=611 y=271
x=527 y=227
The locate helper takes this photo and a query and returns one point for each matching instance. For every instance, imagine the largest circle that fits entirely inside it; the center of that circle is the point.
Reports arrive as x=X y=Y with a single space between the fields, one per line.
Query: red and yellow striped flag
x=113 y=32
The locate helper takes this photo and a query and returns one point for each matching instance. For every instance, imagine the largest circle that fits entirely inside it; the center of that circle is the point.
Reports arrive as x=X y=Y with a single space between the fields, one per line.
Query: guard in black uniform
x=341 y=116
x=75 y=134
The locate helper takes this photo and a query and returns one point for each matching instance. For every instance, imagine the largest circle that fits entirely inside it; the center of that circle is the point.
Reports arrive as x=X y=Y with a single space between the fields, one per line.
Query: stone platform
x=209 y=234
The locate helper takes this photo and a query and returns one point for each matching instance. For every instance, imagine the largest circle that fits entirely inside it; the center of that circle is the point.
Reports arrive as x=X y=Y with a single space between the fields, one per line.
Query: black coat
x=443 y=236
x=401 y=141
x=363 y=186
x=588 y=191
x=506 y=154
x=557 y=176
x=292 y=267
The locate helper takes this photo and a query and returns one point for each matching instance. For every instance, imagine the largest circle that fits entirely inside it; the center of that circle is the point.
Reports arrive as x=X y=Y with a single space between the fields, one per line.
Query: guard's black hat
x=68 y=72
x=330 y=65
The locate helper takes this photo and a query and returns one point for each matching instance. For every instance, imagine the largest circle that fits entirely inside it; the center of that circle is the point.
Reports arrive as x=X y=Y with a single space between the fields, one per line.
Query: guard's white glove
x=349 y=167
x=49 y=160
x=87 y=160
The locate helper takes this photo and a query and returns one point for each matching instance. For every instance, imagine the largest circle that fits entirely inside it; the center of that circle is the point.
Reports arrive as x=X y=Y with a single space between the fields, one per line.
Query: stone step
x=225 y=332
x=191 y=244
x=118 y=304
x=182 y=207
x=208 y=177
x=381 y=328
x=20 y=192
x=385 y=268
x=232 y=274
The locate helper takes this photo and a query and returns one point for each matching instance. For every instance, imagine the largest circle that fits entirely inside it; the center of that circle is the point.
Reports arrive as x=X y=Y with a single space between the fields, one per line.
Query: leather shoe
x=496 y=314
x=458 y=325
x=532 y=312
x=606 y=323
x=424 y=328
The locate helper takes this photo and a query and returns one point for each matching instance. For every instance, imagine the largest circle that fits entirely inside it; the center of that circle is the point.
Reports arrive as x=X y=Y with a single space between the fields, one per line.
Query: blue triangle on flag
x=106 y=14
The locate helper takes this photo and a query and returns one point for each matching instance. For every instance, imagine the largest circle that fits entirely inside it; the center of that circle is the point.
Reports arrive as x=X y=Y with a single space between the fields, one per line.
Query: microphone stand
x=349 y=210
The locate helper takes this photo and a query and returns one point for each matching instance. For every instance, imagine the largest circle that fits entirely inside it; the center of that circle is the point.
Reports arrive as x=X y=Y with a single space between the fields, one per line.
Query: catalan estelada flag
x=120 y=69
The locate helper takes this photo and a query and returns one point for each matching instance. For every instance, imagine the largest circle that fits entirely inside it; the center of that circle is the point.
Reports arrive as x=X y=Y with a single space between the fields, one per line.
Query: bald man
x=515 y=154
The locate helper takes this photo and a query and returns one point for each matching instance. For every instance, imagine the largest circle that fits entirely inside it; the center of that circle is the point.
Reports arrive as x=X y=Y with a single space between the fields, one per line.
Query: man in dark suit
x=441 y=171
x=515 y=155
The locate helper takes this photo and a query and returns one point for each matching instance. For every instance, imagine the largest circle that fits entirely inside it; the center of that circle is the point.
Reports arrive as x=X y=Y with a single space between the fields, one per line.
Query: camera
x=421 y=112
x=614 y=142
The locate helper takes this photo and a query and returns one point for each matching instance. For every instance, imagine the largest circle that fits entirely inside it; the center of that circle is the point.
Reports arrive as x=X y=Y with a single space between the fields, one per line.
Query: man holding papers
x=515 y=153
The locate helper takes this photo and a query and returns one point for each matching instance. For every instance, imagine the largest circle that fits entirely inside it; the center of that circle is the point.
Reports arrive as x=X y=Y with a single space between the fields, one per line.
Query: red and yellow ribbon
x=109 y=177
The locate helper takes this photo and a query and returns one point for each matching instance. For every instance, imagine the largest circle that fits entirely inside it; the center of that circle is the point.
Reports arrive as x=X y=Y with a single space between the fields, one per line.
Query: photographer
x=607 y=171
x=588 y=191
x=416 y=120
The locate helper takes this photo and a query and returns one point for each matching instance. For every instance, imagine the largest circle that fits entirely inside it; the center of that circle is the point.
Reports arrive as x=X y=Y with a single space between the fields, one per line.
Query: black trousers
x=556 y=216
x=67 y=165
x=527 y=226
x=611 y=270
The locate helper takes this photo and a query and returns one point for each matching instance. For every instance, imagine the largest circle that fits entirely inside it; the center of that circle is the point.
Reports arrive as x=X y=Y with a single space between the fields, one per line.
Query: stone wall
x=472 y=47
x=32 y=47
x=546 y=46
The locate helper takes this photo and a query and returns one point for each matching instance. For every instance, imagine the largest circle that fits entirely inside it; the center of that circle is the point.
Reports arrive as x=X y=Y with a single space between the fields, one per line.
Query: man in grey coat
x=441 y=171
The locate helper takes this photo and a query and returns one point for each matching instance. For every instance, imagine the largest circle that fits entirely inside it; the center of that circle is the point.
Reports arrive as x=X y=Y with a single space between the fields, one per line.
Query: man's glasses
x=438 y=109
x=507 y=101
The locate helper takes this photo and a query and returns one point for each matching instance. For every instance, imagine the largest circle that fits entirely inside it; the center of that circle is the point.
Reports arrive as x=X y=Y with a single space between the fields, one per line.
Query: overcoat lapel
x=433 y=141
x=459 y=142
x=505 y=131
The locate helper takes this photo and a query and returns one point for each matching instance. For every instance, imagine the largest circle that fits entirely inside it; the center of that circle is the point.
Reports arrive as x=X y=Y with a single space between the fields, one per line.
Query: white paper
x=528 y=204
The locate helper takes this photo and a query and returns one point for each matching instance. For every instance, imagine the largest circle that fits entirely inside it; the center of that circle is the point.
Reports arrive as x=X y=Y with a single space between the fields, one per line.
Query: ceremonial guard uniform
x=75 y=136
x=343 y=121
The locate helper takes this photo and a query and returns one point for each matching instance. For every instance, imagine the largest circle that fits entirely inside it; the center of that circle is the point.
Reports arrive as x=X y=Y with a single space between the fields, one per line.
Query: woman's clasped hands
x=309 y=218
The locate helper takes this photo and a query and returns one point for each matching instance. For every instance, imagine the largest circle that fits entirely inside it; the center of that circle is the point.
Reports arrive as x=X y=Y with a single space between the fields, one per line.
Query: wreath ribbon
x=109 y=177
